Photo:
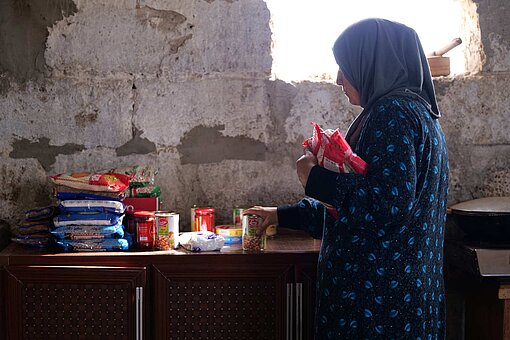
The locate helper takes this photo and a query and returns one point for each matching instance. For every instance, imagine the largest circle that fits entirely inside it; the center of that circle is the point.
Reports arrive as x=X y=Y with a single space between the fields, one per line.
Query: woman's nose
x=339 y=79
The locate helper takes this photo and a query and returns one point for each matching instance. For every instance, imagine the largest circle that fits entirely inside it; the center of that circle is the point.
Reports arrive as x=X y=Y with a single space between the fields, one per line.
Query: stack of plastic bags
x=91 y=211
x=34 y=229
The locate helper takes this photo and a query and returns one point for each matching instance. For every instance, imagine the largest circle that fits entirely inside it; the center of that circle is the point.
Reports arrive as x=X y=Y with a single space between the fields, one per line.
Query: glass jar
x=145 y=222
x=252 y=241
x=204 y=220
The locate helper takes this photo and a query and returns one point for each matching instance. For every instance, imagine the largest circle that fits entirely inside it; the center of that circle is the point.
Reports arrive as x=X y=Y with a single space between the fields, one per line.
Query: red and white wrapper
x=333 y=152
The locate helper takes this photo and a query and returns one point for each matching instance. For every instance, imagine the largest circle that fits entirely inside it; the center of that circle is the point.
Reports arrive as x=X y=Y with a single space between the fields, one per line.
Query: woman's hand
x=304 y=165
x=268 y=214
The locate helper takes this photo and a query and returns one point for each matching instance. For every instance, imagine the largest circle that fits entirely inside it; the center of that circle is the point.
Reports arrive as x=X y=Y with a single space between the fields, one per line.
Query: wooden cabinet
x=238 y=297
x=45 y=302
x=160 y=295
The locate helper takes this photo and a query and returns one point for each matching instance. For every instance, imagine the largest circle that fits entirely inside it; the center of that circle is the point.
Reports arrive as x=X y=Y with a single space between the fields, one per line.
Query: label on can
x=252 y=241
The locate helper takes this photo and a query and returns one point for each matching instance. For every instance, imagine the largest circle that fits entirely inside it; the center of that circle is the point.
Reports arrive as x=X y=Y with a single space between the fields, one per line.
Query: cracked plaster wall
x=184 y=86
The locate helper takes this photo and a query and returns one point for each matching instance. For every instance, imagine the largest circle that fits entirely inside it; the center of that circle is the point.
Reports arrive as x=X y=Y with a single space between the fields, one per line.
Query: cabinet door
x=305 y=300
x=45 y=302
x=3 y=333
x=221 y=301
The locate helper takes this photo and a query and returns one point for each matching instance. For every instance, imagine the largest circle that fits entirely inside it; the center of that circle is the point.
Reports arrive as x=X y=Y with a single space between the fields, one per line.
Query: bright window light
x=304 y=31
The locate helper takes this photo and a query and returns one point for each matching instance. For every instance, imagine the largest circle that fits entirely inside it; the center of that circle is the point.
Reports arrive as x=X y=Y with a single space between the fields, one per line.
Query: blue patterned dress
x=380 y=270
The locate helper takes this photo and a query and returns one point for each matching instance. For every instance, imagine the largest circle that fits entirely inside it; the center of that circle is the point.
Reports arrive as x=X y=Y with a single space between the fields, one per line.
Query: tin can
x=251 y=241
x=145 y=229
x=232 y=234
x=167 y=230
x=237 y=216
x=204 y=220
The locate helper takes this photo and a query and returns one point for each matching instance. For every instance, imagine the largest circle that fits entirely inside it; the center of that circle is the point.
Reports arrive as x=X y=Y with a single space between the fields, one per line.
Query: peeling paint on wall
x=137 y=145
x=207 y=145
x=42 y=150
x=23 y=32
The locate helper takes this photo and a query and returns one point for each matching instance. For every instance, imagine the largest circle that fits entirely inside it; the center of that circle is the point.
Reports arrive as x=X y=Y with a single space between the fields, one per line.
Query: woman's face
x=349 y=90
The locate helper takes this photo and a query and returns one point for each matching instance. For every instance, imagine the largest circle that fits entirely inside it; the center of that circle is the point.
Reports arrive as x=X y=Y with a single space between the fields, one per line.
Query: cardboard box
x=141 y=203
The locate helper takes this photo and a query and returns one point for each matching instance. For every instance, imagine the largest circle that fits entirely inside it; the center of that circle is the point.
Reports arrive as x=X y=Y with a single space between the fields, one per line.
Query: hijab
x=381 y=58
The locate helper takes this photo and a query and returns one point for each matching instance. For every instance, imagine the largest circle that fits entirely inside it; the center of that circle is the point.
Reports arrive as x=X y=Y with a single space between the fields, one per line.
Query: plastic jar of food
x=252 y=241
x=145 y=222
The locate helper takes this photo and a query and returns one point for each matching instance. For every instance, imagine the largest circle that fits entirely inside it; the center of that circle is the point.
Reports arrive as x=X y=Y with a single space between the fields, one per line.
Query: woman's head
x=378 y=56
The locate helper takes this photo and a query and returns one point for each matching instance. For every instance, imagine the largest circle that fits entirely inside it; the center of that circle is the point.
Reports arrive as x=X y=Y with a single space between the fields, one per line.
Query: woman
x=380 y=269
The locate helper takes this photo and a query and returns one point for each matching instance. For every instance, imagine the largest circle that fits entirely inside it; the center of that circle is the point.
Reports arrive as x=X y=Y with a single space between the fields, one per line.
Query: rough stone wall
x=184 y=86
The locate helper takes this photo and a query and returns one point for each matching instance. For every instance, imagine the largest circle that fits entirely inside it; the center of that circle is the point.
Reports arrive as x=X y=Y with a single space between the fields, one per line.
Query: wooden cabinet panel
x=306 y=278
x=72 y=302
x=231 y=301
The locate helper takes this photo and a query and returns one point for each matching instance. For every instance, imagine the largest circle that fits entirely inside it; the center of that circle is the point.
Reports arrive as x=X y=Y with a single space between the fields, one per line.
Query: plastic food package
x=108 y=182
x=87 y=218
x=333 y=152
x=92 y=205
x=197 y=241
x=80 y=232
x=35 y=240
x=141 y=176
x=40 y=213
x=65 y=193
x=106 y=244
x=32 y=227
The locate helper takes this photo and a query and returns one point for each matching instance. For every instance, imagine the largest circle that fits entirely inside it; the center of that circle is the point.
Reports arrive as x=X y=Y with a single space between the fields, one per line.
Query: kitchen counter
x=287 y=241
x=172 y=294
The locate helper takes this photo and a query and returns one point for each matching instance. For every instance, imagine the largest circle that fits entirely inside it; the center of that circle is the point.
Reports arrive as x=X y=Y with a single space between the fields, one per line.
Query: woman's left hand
x=304 y=165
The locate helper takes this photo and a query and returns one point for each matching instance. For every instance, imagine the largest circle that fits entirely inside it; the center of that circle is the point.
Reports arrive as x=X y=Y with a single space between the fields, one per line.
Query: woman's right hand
x=268 y=214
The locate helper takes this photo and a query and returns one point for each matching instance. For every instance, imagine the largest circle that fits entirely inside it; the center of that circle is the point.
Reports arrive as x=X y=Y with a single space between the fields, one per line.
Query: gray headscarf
x=380 y=58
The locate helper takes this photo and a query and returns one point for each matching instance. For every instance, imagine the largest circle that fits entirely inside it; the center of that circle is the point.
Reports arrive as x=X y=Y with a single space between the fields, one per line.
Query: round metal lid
x=488 y=206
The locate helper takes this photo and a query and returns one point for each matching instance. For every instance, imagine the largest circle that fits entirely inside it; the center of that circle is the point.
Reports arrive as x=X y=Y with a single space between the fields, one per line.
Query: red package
x=333 y=152
x=106 y=182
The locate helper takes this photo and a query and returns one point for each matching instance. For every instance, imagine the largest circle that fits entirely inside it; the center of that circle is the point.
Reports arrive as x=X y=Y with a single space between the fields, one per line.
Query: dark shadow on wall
x=23 y=33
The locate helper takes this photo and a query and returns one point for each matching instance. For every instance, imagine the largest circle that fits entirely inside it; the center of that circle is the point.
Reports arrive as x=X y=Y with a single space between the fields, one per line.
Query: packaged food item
x=333 y=152
x=197 y=241
x=147 y=191
x=63 y=193
x=41 y=213
x=87 y=218
x=141 y=176
x=41 y=240
x=232 y=234
x=145 y=222
x=108 y=182
x=204 y=219
x=105 y=244
x=111 y=206
x=32 y=227
x=167 y=230
x=81 y=232
x=252 y=241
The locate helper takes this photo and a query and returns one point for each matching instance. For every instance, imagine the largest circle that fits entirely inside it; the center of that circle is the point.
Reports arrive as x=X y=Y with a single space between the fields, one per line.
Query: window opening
x=304 y=31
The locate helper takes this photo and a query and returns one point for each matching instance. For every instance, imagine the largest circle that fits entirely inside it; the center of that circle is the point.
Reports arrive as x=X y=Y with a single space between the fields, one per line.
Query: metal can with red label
x=167 y=230
x=252 y=241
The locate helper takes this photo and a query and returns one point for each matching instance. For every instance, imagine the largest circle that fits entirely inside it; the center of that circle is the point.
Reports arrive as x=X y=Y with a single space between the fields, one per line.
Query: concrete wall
x=184 y=86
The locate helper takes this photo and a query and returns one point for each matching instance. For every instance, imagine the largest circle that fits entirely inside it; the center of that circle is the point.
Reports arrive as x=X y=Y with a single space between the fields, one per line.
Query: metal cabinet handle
x=289 y=314
x=139 y=313
x=299 y=311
